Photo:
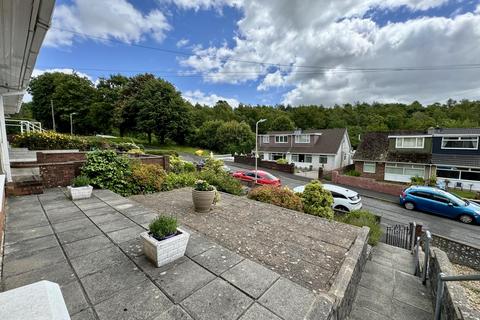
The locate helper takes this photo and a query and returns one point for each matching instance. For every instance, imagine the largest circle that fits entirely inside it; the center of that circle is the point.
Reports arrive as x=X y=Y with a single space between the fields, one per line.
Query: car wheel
x=409 y=205
x=465 y=218
x=342 y=208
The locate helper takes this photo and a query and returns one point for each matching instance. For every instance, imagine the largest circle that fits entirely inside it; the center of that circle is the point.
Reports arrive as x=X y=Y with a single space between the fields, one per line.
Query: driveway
x=392 y=213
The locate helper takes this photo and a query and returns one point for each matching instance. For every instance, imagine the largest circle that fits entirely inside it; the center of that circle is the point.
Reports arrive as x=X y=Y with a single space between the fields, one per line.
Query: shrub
x=80 y=181
x=202 y=185
x=353 y=173
x=135 y=151
x=107 y=170
x=147 y=178
x=317 y=201
x=417 y=181
x=159 y=152
x=177 y=165
x=282 y=161
x=162 y=227
x=179 y=180
x=222 y=181
x=126 y=146
x=432 y=182
x=213 y=165
x=49 y=140
x=279 y=196
x=364 y=218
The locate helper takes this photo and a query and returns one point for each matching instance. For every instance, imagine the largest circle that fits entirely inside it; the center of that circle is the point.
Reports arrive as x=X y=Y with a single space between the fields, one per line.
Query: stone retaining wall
x=368 y=183
x=454 y=303
x=288 y=168
x=458 y=252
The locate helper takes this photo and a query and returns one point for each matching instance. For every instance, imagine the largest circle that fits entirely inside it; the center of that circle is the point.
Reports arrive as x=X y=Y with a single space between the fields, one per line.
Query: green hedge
x=363 y=218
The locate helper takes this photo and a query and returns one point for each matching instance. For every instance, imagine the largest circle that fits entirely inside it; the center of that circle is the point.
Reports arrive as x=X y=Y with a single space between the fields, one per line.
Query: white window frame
x=284 y=137
x=267 y=140
x=298 y=136
x=460 y=138
x=370 y=170
x=320 y=159
x=404 y=168
x=305 y=155
x=399 y=143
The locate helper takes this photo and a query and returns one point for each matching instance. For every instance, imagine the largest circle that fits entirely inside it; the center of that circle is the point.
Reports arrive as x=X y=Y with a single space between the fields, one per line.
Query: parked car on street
x=343 y=199
x=440 y=202
x=264 y=178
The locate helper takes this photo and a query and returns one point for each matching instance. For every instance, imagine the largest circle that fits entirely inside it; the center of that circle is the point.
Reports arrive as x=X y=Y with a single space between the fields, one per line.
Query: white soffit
x=23 y=26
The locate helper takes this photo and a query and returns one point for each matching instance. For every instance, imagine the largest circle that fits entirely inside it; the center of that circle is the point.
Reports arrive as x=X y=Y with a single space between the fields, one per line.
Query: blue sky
x=315 y=44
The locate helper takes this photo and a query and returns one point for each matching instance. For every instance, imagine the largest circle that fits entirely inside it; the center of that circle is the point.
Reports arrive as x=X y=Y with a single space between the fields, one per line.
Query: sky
x=276 y=52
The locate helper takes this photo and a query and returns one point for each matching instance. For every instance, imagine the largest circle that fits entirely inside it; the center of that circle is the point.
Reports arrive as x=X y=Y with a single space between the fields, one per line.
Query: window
x=323 y=159
x=302 y=138
x=410 y=143
x=449 y=174
x=440 y=199
x=468 y=143
x=265 y=139
x=458 y=173
x=281 y=139
x=421 y=194
x=369 y=167
x=306 y=158
x=405 y=170
x=276 y=156
x=337 y=195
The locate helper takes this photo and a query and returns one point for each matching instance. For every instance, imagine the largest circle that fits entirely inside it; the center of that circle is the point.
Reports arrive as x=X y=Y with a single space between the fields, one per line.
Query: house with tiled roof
x=310 y=149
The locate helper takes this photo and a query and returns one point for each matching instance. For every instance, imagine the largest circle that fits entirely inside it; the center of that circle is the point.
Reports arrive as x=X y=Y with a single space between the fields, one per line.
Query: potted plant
x=80 y=188
x=203 y=195
x=164 y=242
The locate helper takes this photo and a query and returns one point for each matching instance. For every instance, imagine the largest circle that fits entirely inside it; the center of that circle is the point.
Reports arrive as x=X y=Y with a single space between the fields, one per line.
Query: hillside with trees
x=150 y=107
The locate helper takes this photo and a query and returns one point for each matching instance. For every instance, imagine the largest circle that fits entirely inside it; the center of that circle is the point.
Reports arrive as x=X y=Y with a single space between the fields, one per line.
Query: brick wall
x=379 y=171
x=368 y=183
x=47 y=157
x=288 y=168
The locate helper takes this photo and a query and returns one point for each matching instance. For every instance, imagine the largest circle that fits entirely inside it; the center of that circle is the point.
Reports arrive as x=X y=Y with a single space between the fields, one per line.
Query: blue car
x=440 y=202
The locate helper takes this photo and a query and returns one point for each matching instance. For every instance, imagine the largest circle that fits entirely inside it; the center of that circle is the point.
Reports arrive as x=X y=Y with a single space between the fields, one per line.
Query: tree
x=233 y=136
x=282 y=123
x=206 y=136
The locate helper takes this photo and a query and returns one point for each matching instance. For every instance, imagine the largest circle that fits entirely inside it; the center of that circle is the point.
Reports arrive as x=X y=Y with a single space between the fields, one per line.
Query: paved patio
x=91 y=248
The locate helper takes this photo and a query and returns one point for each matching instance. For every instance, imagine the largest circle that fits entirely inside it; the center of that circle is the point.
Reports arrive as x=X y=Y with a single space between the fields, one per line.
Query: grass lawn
x=463 y=193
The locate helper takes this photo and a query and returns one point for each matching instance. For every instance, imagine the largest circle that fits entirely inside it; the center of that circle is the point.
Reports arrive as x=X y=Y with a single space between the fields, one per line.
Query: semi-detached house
x=449 y=154
x=310 y=149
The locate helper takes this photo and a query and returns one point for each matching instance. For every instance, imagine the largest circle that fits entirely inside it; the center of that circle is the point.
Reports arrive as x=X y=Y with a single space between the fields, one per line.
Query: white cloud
x=182 y=43
x=200 y=97
x=317 y=43
x=203 y=4
x=109 y=19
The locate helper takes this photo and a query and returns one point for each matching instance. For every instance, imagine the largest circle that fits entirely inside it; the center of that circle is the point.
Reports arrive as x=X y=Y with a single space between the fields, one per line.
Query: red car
x=263 y=177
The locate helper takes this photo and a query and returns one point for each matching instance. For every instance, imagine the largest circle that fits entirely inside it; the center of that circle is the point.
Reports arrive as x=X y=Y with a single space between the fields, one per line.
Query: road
x=392 y=213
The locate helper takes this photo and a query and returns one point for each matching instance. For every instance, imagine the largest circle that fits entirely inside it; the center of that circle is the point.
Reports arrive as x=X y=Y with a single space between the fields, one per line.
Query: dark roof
x=373 y=146
x=328 y=143
x=456 y=160
x=440 y=131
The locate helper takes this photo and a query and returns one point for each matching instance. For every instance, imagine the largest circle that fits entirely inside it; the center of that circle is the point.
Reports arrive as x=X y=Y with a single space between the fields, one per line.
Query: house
x=456 y=155
x=394 y=156
x=310 y=149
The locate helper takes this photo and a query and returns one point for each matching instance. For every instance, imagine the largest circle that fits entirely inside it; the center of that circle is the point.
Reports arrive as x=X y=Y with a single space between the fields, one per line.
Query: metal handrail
x=427 y=238
x=442 y=277
x=25 y=125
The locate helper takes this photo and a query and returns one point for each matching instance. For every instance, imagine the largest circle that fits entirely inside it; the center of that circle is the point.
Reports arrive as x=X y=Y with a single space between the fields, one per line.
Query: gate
x=403 y=236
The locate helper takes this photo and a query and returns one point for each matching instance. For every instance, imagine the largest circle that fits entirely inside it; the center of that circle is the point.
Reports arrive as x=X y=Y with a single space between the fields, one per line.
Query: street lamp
x=256 y=147
x=71 y=123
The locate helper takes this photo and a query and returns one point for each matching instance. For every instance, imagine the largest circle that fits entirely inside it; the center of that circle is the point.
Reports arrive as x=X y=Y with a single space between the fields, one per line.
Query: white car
x=343 y=199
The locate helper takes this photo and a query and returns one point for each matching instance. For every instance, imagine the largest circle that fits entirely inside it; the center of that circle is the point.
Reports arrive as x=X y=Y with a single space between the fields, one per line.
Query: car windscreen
x=456 y=199
x=268 y=176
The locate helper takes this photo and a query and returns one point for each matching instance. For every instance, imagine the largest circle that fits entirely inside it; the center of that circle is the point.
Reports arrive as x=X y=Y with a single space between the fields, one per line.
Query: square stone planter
x=77 y=193
x=165 y=251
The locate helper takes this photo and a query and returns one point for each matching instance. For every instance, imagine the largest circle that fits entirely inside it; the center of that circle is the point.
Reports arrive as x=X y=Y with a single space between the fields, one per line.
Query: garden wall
x=368 y=183
x=458 y=252
x=454 y=302
x=288 y=168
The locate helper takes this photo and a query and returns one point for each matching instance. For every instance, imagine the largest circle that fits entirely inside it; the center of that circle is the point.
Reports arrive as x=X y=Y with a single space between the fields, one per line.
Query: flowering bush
x=317 y=201
x=50 y=140
x=177 y=165
x=202 y=185
x=147 y=178
x=279 y=196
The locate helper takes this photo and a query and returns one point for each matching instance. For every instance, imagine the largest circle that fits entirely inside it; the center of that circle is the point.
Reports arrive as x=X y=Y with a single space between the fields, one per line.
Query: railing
x=426 y=238
x=24 y=126
x=441 y=285
x=400 y=236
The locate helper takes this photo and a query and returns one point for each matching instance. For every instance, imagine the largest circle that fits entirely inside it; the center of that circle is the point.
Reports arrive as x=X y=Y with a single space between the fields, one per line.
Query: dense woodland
x=152 y=107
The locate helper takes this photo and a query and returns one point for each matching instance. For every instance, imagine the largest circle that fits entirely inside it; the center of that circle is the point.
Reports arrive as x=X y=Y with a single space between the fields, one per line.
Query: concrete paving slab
x=27 y=221
x=132 y=248
x=174 y=313
x=218 y=259
x=127 y=234
x=117 y=224
x=198 y=244
x=72 y=225
x=361 y=313
x=403 y=311
x=287 y=299
x=181 y=280
x=251 y=277
x=38 y=260
x=86 y=246
x=145 y=218
x=74 y=298
x=374 y=301
x=106 y=283
x=59 y=272
x=151 y=270
x=142 y=301
x=98 y=260
x=86 y=314
x=99 y=211
x=409 y=289
x=27 y=233
x=27 y=247
x=257 y=312
x=78 y=234
x=217 y=300
x=66 y=216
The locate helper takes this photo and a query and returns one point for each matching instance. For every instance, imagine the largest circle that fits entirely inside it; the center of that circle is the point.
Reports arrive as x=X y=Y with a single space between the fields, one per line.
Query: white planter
x=165 y=251
x=78 y=193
